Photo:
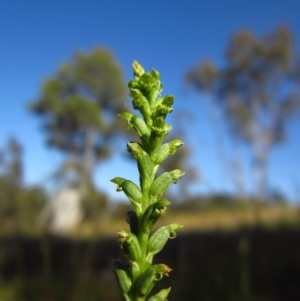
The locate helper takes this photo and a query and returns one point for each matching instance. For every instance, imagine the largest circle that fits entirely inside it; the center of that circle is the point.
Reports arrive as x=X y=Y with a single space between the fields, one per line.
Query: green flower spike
x=138 y=276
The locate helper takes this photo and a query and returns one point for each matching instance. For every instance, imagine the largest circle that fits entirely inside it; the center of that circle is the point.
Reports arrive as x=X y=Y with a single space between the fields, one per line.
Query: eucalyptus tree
x=77 y=106
x=257 y=90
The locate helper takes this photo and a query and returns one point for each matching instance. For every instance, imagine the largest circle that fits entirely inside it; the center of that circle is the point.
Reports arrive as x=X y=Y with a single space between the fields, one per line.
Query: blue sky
x=171 y=36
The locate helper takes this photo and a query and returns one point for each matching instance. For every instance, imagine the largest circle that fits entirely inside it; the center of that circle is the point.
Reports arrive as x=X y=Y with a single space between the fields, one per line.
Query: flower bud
x=138 y=70
x=133 y=84
x=147 y=280
x=163 y=107
x=159 y=238
x=132 y=221
x=158 y=132
x=155 y=74
x=152 y=213
x=160 y=128
x=144 y=163
x=130 y=244
x=168 y=100
x=167 y=149
x=123 y=275
x=163 y=110
x=148 y=83
x=138 y=124
x=141 y=103
x=136 y=93
x=161 y=184
x=131 y=190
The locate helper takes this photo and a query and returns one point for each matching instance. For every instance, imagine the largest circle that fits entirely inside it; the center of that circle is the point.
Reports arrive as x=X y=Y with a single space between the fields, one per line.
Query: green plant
x=137 y=277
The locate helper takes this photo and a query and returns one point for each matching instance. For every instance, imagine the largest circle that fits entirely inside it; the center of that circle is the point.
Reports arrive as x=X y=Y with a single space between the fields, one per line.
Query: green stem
x=138 y=277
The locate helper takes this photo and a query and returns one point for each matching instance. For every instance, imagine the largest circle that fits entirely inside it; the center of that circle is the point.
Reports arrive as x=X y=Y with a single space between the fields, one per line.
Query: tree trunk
x=260 y=156
x=87 y=162
x=238 y=174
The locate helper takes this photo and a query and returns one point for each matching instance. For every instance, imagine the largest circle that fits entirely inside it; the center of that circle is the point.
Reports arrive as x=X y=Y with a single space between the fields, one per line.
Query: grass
x=216 y=219
x=211 y=219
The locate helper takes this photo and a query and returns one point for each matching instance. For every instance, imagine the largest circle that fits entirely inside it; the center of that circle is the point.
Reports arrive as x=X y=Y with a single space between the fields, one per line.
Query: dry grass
x=217 y=219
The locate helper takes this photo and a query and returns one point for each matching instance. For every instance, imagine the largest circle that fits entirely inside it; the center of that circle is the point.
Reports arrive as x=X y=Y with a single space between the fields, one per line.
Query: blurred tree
x=78 y=106
x=257 y=91
x=11 y=164
x=19 y=206
x=11 y=181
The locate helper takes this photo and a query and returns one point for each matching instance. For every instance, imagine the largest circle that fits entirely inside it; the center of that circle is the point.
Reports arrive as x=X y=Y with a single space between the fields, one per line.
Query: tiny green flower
x=138 y=70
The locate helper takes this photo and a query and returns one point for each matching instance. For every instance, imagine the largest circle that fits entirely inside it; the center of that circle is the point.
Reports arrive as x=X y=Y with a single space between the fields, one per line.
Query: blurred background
x=234 y=69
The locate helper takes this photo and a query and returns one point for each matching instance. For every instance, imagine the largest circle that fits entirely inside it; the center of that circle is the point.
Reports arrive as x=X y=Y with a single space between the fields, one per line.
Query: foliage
x=138 y=276
x=19 y=206
x=77 y=106
x=257 y=91
x=11 y=164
